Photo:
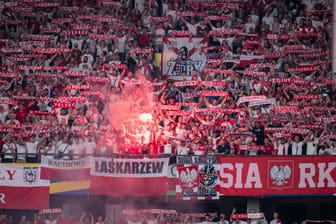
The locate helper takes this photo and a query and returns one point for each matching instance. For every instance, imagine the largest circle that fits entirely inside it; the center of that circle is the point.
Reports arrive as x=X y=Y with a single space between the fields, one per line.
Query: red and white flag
x=22 y=188
x=129 y=177
x=65 y=170
x=188 y=176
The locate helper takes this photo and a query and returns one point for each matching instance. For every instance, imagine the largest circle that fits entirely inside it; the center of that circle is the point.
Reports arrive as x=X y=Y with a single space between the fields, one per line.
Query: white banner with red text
x=22 y=188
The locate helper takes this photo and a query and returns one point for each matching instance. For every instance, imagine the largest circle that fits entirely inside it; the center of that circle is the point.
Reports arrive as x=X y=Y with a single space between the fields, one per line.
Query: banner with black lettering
x=59 y=169
x=67 y=175
x=182 y=55
x=197 y=178
x=129 y=177
x=22 y=188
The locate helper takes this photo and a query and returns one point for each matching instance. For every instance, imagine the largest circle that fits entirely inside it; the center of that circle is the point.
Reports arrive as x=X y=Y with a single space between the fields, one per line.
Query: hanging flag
x=129 y=177
x=22 y=188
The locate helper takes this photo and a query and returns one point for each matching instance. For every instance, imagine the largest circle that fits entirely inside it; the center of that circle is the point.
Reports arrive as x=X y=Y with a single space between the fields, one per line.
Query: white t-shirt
x=283 y=149
x=7 y=153
x=224 y=222
x=31 y=148
x=114 y=80
x=268 y=20
x=192 y=28
x=275 y=221
x=182 y=150
x=131 y=222
x=181 y=133
x=89 y=58
x=264 y=221
x=79 y=42
x=49 y=151
x=312 y=146
x=77 y=149
x=297 y=148
x=89 y=147
x=172 y=13
x=21 y=151
x=148 y=221
x=3 y=116
x=50 y=221
x=121 y=44
x=63 y=148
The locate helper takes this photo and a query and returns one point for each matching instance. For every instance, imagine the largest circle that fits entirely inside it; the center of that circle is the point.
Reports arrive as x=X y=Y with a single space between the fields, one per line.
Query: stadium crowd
x=140 y=216
x=68 y=67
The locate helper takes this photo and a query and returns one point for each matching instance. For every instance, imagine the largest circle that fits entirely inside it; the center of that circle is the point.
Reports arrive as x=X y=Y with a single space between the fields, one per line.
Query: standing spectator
x=49 y=149
x=121 y=45
x=192 y=26
x=258 y=131
x=21 y=151
x=63 y=147
x=86 y=218
x=202 y=29
x=51 y=219
x=181 y=148
x=21 y=113
x=275 y=219
x=100 y=220
x=32 y=152
x=77 y=148
x=298 y=146
x=280 y=145
x=222 y=219
x=223 y=147
x=9 y=149
x=3 y=115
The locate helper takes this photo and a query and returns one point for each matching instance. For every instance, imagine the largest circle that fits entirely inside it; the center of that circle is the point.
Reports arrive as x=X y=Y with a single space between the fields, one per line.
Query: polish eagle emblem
x=280 y=174
x=189 y=177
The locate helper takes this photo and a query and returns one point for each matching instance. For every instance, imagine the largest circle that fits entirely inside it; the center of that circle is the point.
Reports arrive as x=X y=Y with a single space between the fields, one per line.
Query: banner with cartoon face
x=183 y=55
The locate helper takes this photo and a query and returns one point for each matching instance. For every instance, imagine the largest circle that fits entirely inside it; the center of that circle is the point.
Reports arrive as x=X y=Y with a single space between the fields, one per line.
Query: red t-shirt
x=268 y=150
x=21 y=115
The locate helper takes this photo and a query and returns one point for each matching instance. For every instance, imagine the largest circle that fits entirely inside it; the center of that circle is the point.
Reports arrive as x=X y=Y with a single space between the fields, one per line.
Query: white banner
x=21 y=176
x=49 y=162
x=114 y=167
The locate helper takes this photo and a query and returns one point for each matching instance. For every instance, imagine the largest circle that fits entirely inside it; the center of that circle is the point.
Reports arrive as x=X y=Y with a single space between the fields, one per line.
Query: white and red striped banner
x=22 y=188
x=65 y=170
x=128 y=177
x=246 y=99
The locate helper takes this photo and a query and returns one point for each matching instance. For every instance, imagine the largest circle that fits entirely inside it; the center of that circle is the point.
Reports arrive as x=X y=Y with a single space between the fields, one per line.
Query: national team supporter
x=261 y=85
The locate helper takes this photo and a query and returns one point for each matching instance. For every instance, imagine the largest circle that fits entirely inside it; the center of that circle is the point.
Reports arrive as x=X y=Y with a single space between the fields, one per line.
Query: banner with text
x=251 y=176
x=129 y=177
x=22 y=188
x=67 y=176
x=59 y=169
x=182 y=55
